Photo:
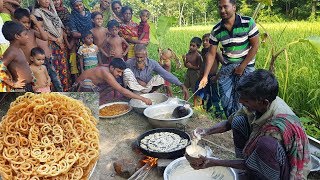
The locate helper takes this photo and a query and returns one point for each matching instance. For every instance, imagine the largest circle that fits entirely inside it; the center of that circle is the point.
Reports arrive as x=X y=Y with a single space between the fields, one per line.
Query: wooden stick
x=144 y=177
x=138 y=172
x=226 y=149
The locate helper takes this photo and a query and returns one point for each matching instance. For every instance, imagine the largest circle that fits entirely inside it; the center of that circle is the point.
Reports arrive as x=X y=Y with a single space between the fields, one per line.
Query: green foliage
x=266 y=2
x=314 y=41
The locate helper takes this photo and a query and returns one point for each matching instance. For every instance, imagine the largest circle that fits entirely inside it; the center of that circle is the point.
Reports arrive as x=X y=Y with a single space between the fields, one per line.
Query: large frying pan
x=168 y=155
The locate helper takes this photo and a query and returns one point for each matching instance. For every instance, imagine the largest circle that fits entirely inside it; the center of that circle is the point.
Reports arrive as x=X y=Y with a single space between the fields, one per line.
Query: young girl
x=165 y=61
x=42 y=82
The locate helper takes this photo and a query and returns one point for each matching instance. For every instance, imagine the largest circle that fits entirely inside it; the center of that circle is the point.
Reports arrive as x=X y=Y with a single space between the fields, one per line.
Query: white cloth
x=130 y=81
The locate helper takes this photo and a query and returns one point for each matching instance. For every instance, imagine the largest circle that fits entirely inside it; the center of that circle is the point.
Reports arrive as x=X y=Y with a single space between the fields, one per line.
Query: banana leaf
x=314 y=41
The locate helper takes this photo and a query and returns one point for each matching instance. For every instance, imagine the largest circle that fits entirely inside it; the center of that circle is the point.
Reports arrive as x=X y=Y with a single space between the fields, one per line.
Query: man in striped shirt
x=239 y=37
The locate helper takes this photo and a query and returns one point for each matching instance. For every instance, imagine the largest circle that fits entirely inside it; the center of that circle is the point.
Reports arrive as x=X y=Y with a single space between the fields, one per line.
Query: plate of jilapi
x=48 y=136
x=114 y=109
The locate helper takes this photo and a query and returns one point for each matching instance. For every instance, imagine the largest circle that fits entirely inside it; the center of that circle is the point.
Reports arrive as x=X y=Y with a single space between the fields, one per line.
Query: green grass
x=303 y=89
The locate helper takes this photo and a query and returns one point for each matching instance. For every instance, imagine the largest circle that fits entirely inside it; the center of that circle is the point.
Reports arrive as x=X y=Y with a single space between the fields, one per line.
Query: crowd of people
x=47 y=48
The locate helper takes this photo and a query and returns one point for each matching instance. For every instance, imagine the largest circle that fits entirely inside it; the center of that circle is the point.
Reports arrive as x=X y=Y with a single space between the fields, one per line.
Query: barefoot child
x=144 y=28
x=115 y=41
x=211 y=88
x=24 y=17
x=14 y=60
x=48 y=61
x=37 y=58
x=165 y=61
x=88 y=53
x=192 y=61
x=99 y=33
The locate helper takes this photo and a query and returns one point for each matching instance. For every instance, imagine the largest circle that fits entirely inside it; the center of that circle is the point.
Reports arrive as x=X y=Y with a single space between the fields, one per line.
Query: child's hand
x=19 y=84
x=189 y=65
x=33 y=19
x=112 y=53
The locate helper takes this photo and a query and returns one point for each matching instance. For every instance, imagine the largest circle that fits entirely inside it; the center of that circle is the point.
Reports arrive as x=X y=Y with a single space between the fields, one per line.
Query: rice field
x=302 y=90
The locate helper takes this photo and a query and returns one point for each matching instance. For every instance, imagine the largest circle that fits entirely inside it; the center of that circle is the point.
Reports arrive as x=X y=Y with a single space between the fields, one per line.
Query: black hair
x=233 y=2
x=206 y=35
x=196 y=40
x=85 y=34
x=96 y=13
x=10 y=29
x=118 y=63
x=19 y=13
x=125 y=8
x=143 y=11
x=37 y=50
x=113 y=23
x=258 y=85
x=115 y=2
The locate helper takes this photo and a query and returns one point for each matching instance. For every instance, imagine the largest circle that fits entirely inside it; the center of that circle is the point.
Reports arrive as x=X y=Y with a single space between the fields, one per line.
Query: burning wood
x=142 y=173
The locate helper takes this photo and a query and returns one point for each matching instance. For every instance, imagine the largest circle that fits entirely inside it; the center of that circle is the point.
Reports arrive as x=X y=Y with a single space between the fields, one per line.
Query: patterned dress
x=129 y=31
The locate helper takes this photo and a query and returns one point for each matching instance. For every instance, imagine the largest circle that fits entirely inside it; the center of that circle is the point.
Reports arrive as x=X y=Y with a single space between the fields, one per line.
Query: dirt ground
x=117 y=135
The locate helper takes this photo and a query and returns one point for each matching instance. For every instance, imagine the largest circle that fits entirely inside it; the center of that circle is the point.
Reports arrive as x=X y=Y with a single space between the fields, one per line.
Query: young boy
x=212 y=87
x=99 y=32
x=115 y=42
x=144 y=28
x=88 y=53
x=14 y=59
x=23 y=16
x=193 y=60
x=48 y=62
x=40 y=72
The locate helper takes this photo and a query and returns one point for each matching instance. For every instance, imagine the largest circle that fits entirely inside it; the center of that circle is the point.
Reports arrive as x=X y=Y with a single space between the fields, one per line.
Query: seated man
x=104 y=78
x=268 y=137
x=138 y=76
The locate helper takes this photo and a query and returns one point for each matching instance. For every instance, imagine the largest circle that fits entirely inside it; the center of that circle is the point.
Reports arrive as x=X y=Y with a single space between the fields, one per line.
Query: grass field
x=302 y=90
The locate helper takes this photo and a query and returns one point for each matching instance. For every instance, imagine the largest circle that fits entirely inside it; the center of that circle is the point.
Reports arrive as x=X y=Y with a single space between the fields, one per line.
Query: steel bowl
x=160 y=116
x=156 y=98
x=181 y=167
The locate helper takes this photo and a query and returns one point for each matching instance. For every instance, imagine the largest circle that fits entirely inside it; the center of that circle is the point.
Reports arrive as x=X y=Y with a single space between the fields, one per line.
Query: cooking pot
x=156 y=98
x=160 y=116
x=164 y=155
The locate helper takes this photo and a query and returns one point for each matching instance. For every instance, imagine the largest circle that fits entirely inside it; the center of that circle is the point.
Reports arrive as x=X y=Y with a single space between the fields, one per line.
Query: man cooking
x=104 y=78
x=138 y=76
x=269 y=139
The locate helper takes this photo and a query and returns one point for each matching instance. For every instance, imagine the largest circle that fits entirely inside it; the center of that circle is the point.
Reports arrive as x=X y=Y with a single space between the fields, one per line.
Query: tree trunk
x=205 y=18
x=181 y=13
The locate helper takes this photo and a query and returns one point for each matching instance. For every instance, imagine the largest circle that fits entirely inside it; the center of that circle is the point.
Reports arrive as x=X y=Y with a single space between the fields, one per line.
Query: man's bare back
x=17 y=65
x=96 y=75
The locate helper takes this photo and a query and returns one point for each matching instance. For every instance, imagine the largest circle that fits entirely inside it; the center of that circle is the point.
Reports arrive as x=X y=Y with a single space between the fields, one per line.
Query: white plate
x=109 y=104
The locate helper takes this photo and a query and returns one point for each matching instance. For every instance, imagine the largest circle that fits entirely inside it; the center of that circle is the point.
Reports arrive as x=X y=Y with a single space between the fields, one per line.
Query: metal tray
x=109 y=104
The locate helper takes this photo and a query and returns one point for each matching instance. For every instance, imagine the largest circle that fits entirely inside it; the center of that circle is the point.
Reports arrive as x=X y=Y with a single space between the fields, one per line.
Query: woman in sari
x=53 y=25
x=129 y=30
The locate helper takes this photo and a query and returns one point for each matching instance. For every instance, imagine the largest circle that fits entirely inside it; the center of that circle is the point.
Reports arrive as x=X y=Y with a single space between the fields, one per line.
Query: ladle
x=182 y=111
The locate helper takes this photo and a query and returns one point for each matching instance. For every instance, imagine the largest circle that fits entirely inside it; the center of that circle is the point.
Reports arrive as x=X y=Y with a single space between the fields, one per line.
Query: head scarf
x=78 y=22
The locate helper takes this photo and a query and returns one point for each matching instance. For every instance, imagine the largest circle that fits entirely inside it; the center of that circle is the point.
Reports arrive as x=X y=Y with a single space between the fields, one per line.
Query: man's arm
x=254 y=43
x=211 y=56
x=220 y=127
x=205 y=162
x=115 y=85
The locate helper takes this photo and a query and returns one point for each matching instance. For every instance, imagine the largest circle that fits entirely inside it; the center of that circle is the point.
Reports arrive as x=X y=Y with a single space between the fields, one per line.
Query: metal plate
x=109 y=104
